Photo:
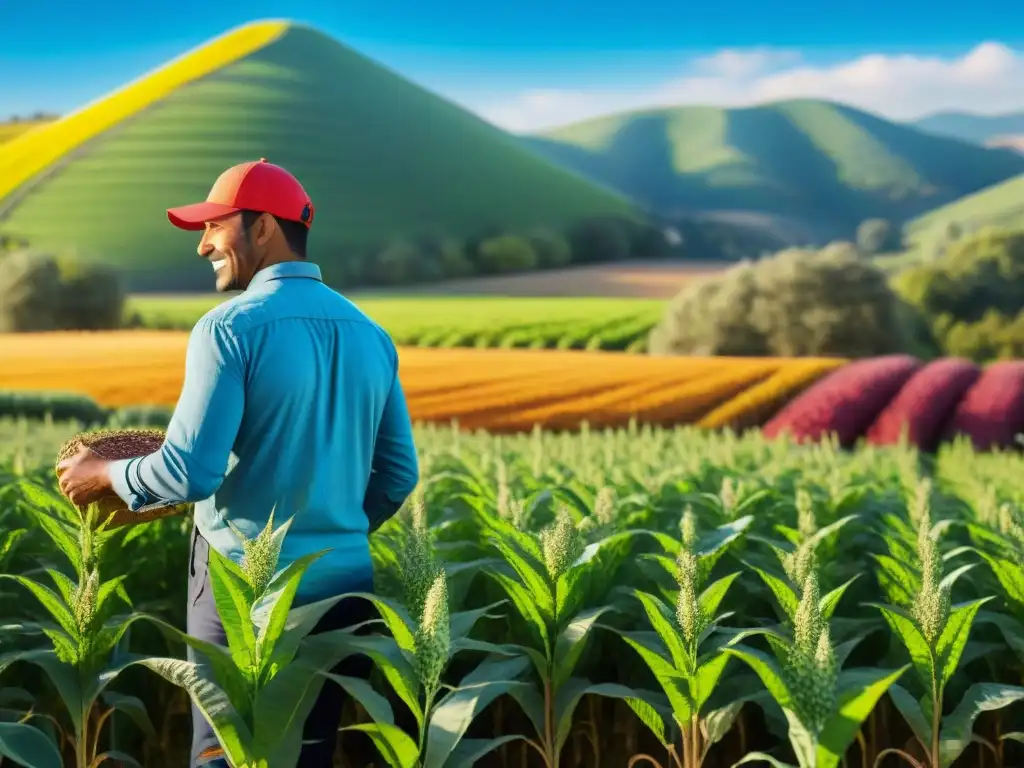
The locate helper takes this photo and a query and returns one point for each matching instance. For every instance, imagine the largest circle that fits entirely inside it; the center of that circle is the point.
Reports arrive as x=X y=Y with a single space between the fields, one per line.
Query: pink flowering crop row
x=879 y=399
x=845 y=402
x=991 y=412
x=925 y=404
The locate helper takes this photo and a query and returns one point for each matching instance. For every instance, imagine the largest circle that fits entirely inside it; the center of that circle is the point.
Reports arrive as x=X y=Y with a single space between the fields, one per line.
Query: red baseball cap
x=256 y=186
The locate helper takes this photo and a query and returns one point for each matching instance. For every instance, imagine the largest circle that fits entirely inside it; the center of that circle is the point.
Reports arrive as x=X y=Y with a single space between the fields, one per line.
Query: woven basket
x=115 y=444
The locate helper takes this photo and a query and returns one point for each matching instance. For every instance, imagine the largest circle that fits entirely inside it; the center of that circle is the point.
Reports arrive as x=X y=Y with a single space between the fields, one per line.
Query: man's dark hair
x=295 y=232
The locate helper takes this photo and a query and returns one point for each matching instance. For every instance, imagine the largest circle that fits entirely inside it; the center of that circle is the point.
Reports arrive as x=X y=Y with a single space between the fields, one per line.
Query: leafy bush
x=506 y=253
x=795 y=303
x=39 y=292
x=971 y=296
x=30 y=292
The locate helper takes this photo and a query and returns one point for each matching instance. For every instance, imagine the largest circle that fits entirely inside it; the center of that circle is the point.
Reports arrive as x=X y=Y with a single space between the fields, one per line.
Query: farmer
x=291 y=401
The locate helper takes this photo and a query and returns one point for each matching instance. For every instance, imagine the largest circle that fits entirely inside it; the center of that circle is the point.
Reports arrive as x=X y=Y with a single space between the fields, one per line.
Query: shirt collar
x=286 y=269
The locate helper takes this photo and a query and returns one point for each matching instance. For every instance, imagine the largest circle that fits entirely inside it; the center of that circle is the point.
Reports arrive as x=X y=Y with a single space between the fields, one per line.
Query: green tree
x=552 y=249
x=507 y=253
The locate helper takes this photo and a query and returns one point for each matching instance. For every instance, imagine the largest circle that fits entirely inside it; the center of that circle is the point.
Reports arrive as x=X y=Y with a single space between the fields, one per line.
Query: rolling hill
x=12 y=129
x=987 y=130
x=815 y=168
x=380 y=156
x=1001 y=205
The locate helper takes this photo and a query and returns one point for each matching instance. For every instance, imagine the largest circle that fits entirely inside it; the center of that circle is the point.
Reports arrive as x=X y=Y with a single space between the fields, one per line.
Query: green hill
x=819 y=164
x=1001 y=205
x=381 y=157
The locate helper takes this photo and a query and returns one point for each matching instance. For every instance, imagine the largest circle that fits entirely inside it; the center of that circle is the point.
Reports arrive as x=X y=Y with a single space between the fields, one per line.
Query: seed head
x=561 y=545
x=84 y=600
x=433 y=635
x=690 y=615
x=800 y=563
x=932 y=606
x=504 y=492
x=688 y=528
x=810 y=668
x=417 y=563
x=806 y=522
x=604 y=506
x=260 y=556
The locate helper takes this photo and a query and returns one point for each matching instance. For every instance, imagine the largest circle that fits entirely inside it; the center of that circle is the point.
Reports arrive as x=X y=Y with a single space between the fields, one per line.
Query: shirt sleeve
x=395 y=468
x=192 y=463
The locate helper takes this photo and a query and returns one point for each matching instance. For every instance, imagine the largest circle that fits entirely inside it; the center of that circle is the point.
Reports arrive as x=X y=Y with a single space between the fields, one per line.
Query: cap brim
x=194 y=217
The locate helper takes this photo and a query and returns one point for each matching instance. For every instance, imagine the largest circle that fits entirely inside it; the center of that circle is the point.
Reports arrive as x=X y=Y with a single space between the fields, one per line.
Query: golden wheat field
x=494 y=389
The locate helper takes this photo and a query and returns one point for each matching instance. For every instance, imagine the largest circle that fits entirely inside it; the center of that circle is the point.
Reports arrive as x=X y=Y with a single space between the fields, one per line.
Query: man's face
x=232 y=254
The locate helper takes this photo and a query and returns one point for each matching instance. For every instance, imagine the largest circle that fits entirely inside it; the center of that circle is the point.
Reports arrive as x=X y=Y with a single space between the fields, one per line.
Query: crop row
x=876 y=399
x=641 y=596
x=508 y=323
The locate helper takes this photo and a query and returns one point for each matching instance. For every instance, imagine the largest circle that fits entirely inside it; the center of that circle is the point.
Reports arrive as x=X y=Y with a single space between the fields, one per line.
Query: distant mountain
x=815 y=168
x=382 y=158
x=978 y=129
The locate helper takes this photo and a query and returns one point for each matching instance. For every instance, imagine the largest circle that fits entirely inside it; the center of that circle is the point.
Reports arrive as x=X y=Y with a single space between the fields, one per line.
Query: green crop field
x=488 y=321
x=381 y=157
x=824 y=164
x=554 y=601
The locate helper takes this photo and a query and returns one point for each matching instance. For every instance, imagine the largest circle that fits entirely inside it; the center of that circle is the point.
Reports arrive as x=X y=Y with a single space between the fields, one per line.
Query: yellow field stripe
x=34 y=151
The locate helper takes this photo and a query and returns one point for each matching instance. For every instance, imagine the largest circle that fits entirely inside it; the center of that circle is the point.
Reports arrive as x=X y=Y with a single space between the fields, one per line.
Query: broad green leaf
x=651 y=717
x=915 y=643
x=830 y=601
x=767 y=669
x=859 y=691
x=392 y=742
x=568 y=697
x=958 y=725
x=663 y=622
x=708 y=674
x=910 y=708
x=717 y=723
x=951 y=642
x=675 y=685
x=28 y=746
x=233 y=597
x=523 y=601
x=711 y=598
x=788 y=599
x=376 y=706
x=451 y=718
x=462 y=622
x=50 y=600
x=134 y=708
x=471 y=751
x=571 y=642
x=532 y=578
x=231 y=731
x=270 y=611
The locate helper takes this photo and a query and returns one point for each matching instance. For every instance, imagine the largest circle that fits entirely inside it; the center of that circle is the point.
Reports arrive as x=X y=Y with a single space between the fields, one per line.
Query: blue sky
x=527 y=63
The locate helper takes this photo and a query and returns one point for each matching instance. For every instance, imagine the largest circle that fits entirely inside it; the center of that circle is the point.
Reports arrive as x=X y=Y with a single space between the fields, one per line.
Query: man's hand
x=84 y=477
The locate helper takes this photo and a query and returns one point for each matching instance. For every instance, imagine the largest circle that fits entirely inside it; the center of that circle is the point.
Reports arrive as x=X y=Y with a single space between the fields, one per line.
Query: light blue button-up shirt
x=291 y=401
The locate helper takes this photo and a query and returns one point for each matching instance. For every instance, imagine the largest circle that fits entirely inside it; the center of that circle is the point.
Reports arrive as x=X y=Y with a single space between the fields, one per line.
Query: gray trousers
x=322 y=724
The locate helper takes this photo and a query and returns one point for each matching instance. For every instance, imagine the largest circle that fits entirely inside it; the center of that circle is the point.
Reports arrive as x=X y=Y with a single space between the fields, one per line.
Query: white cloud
x=987 y=79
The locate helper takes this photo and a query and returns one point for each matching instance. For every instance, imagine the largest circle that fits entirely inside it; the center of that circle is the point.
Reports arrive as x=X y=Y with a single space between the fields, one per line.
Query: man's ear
x=265 y=229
